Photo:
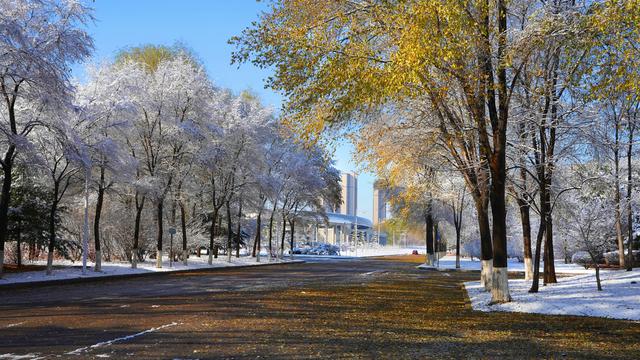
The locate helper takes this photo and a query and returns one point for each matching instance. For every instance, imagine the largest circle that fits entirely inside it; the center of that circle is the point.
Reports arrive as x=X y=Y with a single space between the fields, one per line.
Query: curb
x=22 y=285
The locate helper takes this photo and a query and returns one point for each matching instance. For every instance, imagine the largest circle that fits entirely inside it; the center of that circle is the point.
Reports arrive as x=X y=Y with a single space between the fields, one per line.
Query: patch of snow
x=374 y=272
x=575 y=295
x=74 y=271
x=11 y=356
x=449 y=262
x=12 y=325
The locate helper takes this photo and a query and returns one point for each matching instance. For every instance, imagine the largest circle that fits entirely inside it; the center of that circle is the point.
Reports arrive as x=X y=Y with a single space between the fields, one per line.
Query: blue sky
x=204 y=26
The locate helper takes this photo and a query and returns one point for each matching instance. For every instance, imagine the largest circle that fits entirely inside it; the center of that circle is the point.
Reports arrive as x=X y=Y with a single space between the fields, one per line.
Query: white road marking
x=128 y=337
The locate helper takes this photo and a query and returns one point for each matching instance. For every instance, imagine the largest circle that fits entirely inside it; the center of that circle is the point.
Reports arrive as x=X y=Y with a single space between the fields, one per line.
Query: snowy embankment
x=74 y=271
x=574 y=295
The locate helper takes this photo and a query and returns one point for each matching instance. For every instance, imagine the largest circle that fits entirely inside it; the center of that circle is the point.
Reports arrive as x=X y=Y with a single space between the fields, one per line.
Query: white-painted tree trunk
x=50 y=263
x=210 y=261
x=229 y=251
x=1 y=262
x=528 y=269
x=500 y=286
x=457 y=262
x=486 y=274
x=159 y=259
x=134 y=258
x=98 y=266
x=184 y=257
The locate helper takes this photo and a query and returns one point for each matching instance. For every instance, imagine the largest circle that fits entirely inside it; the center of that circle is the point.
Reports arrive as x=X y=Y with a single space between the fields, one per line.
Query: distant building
x=380 y=199
x=349 y=194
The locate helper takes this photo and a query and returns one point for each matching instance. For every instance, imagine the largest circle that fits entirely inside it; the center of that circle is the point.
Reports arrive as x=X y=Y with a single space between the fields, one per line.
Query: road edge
x=79 y=280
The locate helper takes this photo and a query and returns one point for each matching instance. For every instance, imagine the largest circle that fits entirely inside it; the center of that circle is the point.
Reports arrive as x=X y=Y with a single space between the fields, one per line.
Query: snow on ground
x=449 y=262
x=379 y=251
x=74 y=271
x=574 y=295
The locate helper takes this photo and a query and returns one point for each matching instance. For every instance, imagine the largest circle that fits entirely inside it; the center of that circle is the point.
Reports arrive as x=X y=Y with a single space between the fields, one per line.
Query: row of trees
x=145 y=142
x=504 y=93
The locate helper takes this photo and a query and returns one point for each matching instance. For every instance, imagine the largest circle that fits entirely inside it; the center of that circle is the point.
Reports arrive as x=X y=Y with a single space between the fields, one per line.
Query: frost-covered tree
x=38 y=42
x=587 y=213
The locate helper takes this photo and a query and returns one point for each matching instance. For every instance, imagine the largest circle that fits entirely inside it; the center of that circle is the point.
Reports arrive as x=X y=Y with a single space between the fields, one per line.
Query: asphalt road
x=321 y=309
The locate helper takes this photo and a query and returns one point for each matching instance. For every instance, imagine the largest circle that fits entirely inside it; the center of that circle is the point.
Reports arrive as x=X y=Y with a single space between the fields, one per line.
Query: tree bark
x=429 y=234
x=630 y=258
x=497 y=164
x=257 y=238
x=96 y=221
x=618 y=197
x=239 y=228
x=549 y=258
x=136 y=230
x=6 y=194
x=292 y=225
x=183 y=223
x=598 y=276
x=525 y=220
x=160 y=234
x=52 y=227
x=536 y=263
x=212 y=232
x=284 y=231
x=486 y=248
x=229 y=234
x=273 y=213
x=19 y=246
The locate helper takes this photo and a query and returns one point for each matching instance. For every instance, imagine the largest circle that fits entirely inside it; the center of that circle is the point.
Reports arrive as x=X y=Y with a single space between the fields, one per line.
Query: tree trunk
x=229 y=235
x=525 y=220
x=292 y=225
x=136 y=231
x=598 y=276
x=486 y=248
x=257 y=238
x=52 y=230
x=183 y=223
x=458 y=246
x=273 y=212
x=284 y=231
x=5 y=196
x=19 y=246
x=429 y=235
x=549 y=258
x=160 y=234
x=239 y=228
x=536 y=263
x=212 y=232
x=630 y=258
x=96 y=221
x=618 y=197
x=497 y=165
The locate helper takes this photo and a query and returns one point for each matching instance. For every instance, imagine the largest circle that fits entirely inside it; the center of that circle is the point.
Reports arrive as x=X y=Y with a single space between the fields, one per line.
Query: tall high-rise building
x=380 y=199
x=349 y=204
